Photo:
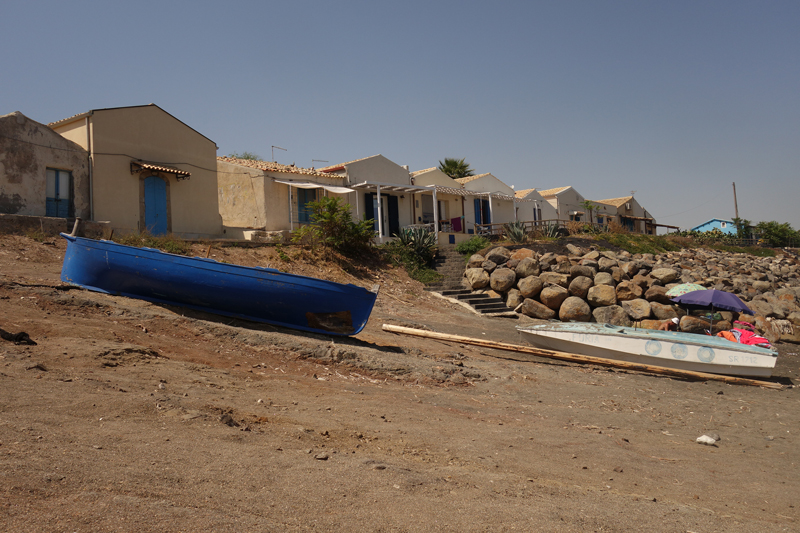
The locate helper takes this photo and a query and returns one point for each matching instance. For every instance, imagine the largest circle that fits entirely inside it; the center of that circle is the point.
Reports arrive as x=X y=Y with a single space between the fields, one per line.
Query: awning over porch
x=311 y=185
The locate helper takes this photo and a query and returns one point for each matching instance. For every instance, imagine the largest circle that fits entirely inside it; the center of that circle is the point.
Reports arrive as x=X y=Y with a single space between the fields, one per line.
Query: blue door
x=304 y=197
x=155 y=205
x=482 y=214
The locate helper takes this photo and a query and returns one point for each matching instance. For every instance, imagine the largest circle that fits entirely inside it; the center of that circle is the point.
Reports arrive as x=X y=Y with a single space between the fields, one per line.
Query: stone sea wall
x=622 y=288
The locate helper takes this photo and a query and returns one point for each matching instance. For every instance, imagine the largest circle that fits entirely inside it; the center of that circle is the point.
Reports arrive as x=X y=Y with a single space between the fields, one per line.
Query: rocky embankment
x=622 y=288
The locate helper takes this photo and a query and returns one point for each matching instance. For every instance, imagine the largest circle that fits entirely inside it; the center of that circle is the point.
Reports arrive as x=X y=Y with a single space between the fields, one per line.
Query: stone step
x=471 y=296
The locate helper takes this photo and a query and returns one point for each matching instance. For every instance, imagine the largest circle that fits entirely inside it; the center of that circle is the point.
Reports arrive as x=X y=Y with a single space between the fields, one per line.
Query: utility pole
x=735 y=204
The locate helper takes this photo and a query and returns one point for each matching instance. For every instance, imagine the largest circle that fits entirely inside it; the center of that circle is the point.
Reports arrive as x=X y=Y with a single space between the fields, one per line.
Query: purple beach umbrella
x=714 y=299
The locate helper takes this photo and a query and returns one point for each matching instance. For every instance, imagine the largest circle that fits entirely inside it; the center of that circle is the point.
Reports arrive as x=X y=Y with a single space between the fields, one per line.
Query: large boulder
x=637 y=309
x=580 y=286
x=693 y=324
x=489 y=266
x=575 y=309
x=582 y=270
x=502 y=279
x=612 y=314
x=475 y=261
x=528 y=266
x=574 y=250
x=601 y=295
x=645 y=282
x=604 y=278
x=477 y=278
x=762 y=308
x=523 y=253
x=553 y=296
x=605 y=264
x=762 y=286
x=530 y=286
x=514 y=298
x=657 y=293
x=534 y=309
x=663 y=311
x=499 y=255
x=630 y=268
x=555 y=278
x=627 y=290
x=665 y=275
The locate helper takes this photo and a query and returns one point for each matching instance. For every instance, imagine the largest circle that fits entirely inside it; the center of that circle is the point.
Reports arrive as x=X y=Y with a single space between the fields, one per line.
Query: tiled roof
x=73 y=117
x=340 y=165
x=616 y=202
x=417 y=172
x=523 y=193
x=462 y=181
x=181 y=174
x=272 y=167
x=553 y=192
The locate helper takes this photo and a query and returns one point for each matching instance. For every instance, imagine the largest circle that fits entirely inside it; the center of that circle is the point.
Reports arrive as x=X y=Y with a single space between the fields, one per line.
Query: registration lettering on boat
x=585 y=338
x=743 y=359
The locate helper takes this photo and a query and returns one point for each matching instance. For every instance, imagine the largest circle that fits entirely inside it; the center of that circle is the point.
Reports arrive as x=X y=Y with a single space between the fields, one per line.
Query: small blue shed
x=725 y=226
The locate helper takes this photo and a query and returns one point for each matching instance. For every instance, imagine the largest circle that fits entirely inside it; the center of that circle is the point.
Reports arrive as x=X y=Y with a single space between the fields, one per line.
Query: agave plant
x=550 y=230
x=515 y=232
x=420 y=240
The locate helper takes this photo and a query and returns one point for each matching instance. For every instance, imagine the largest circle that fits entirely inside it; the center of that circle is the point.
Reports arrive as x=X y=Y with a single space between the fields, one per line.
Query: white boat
x=683 y=351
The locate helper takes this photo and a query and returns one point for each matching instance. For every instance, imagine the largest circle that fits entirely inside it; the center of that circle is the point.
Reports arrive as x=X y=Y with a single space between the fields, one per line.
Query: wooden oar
x=576 y=358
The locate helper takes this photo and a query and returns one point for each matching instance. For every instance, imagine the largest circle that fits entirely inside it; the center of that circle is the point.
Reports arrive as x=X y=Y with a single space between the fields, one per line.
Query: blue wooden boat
x=252 y=293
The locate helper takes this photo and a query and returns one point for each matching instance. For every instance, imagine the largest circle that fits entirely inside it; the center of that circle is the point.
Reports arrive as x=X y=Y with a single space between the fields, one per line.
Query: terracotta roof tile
x=462 y=181
x=616 y=202
x=553 y=192
x=523 y=193
x=417 y=172
x=272 y=167
x=333 y=167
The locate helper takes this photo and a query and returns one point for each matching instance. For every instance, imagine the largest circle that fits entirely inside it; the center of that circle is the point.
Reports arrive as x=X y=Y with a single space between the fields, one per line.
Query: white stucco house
x=532 y=207
x=567 y=202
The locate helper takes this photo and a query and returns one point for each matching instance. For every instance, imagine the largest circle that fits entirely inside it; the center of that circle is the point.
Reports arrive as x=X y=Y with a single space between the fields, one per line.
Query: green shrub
x=332 y=227
x=399 y=254
x=472 y=246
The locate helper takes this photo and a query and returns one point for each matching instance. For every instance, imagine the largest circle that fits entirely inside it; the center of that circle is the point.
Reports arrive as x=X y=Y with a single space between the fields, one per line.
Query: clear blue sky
x=673 y=99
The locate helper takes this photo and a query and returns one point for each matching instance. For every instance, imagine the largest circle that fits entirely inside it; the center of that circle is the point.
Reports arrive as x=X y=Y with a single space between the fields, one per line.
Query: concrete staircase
x=450 y=264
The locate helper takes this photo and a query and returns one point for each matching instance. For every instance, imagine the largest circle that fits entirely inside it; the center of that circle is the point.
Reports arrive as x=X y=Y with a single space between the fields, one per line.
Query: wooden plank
x=576 y=358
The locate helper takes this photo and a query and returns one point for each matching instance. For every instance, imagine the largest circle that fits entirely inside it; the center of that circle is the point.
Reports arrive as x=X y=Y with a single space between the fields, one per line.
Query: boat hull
x=251 y=293
x=682 y=351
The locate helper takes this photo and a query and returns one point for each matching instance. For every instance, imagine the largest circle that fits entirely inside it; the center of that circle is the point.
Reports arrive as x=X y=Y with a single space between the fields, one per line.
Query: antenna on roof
x=273 y=151
x=319 y=161
x=633 y=192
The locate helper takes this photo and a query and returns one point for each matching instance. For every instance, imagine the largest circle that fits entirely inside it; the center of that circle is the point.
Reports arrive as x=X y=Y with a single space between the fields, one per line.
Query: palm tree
x=456 y=168
x=589 y=206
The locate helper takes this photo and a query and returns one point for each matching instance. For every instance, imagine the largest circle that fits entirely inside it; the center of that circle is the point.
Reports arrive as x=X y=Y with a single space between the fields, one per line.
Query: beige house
x=384 y=192
x=627 y=212
x=533 y=207
x=41 y=173
x=266 y=200
x=567 y=202
x=494 y=202
x=149 y=171
x=450 y=200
